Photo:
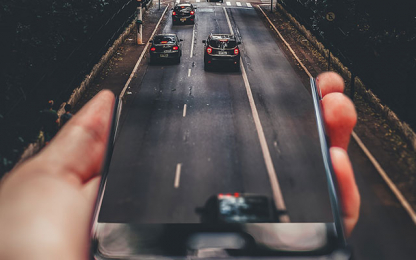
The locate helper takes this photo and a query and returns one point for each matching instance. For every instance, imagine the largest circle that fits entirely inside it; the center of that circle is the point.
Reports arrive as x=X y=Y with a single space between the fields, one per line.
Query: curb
x=136 y=67
x=403 y=128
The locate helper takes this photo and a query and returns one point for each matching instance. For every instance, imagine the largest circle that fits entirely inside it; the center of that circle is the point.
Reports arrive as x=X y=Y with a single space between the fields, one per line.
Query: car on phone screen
x=166 y=47
x=221 y=50
x=238 y=208
x=183 y=13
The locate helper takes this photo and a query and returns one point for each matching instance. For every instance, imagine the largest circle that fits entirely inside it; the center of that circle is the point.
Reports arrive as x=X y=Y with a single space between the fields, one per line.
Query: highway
x=216 y=142
x=187 y=134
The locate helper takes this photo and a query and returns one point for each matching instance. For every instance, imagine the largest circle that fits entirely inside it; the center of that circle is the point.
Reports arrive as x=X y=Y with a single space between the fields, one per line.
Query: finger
x=349 y=195
x=340 y=118
x=78 y=149
x=330 y=82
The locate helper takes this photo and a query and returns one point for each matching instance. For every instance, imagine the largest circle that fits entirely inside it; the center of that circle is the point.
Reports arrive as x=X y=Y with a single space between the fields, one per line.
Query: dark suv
x=183 y=13
x=166 y=46
x=221 y=49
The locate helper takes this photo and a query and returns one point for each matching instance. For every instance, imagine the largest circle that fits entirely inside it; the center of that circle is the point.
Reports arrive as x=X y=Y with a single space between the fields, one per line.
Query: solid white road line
x=249 y=5
x=406 y=205
x=177 y=175
x=193 y=42
x=189 y=72
x=390 y=183
x=228 y=21
x=228 y=3
x=238 y=4
x=184 y=110
x=141 y=56
x=277 y=193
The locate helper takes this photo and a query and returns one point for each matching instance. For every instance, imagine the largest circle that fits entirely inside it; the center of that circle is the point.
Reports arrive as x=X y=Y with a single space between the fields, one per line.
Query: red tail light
x=175 y=48
x=152 y=49
x=192 y=12
x=209 y=50
x=173 y=13
x=236 y=51
x=236 y=195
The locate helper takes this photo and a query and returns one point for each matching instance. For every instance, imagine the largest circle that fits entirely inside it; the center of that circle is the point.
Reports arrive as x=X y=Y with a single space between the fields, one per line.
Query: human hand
x=46 y=204
x=340 y=118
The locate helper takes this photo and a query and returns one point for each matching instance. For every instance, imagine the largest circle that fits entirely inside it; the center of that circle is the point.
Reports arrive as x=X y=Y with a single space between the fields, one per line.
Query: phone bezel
x=343 y=250
x=329 y=171
x=115 y=117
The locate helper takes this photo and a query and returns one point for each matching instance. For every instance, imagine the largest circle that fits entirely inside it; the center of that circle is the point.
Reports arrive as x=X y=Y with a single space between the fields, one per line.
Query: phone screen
x=181 y=204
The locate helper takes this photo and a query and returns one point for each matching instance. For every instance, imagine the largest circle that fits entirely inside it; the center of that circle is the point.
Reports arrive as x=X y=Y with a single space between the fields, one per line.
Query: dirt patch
x=116 y=73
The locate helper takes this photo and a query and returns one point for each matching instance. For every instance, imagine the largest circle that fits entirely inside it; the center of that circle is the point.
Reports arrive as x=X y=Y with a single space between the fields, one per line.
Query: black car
x=183 y=13
x=166 y=46
x=221 y=49
x=238 y=208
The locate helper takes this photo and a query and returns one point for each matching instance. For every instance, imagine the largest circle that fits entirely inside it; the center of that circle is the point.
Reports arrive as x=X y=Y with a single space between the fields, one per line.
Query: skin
x=46 y=204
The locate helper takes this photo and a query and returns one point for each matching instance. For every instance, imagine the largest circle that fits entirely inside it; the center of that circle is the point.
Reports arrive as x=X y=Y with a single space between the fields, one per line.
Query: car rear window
x=185 y=8
x=164 y=39
x=223 y=44
x=248 y=210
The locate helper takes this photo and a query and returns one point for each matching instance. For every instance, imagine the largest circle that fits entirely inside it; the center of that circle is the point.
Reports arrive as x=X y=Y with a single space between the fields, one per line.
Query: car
x=166 y=47
x=221 y=1
x=221 y=49
x=183 y=13
x=238 y=208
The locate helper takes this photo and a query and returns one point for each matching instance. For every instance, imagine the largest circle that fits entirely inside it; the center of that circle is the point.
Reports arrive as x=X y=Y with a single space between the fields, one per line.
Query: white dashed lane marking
x=177 y=175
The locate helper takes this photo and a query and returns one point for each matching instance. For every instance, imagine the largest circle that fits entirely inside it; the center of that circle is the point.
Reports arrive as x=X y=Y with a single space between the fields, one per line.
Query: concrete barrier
x=403 y=128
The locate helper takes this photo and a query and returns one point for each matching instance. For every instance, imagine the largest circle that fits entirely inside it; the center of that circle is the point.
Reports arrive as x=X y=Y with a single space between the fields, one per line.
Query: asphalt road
x=216 y=147
x=216 y=142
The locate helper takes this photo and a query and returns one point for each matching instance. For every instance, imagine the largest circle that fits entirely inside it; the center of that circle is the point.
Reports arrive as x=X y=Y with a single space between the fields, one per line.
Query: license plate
x=222 y=52
x=164 y=55
x=183 y=19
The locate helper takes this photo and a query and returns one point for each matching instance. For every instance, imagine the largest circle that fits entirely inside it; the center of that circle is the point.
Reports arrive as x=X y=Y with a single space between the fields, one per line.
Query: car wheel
x=178 y=60
x=237 y=67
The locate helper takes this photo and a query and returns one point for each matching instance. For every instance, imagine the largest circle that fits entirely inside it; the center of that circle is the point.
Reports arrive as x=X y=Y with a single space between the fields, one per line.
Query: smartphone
x=237 y=224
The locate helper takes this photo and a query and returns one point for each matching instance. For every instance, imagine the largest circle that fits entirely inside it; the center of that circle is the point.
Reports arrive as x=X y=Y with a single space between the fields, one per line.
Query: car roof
x=183 y=4
x=166 y=34
x=225 y=196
